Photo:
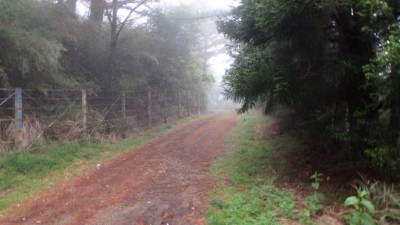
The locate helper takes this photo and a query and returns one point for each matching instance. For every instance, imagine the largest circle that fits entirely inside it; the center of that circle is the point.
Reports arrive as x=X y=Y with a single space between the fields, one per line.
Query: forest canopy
x=120 y=45
x=334 y=65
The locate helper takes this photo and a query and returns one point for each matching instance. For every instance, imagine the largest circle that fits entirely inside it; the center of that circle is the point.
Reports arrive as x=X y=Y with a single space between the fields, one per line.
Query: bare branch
x=108 y=14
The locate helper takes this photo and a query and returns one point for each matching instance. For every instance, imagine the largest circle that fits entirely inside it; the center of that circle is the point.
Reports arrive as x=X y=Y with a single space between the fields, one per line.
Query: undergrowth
x=24 y=174
x=253 y=196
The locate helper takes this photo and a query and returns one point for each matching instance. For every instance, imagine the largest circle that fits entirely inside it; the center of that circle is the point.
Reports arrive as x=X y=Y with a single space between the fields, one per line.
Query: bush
x=386 y=160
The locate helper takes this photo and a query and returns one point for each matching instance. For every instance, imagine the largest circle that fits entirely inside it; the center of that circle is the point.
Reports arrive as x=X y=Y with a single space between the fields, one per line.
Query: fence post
x=188 y=102
x=165 y=114
x=205 y=103
x=179 y=103
x=199 y=103
x=84 y=110
x=149 y=116
x=123 y=107
x=18 y=141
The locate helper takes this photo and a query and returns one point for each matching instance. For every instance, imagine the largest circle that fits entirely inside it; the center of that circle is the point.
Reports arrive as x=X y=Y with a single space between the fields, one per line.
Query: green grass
x=251 y=162
x=22 y=175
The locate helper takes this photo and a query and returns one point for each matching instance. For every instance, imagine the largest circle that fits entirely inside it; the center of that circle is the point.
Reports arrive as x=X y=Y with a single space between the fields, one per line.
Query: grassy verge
x=268 y=183
x=24 y=174
x=251 y=162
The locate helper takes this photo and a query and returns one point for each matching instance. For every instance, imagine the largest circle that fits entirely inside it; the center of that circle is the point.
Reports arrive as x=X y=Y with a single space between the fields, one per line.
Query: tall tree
x=97 y=8
x=71 y=6
x=117 y=25
x=314 y=57
x=211 y=43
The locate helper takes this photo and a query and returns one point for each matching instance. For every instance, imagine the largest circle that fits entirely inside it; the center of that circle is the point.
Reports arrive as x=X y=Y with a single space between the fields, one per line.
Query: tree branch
x=128 y=17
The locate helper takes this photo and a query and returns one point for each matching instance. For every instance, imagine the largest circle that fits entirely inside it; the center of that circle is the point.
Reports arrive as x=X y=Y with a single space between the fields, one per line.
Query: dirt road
x=164 y=182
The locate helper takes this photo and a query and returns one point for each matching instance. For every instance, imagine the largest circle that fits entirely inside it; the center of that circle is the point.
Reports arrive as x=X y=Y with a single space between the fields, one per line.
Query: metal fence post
x=18 y=141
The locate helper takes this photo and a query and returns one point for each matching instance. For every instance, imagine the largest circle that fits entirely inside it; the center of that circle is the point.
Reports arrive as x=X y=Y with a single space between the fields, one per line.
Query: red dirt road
x=164 y=182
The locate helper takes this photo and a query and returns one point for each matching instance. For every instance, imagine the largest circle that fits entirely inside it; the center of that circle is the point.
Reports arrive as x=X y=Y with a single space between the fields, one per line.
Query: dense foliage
x=333 y=64
x=22 y=59
x=46 y=46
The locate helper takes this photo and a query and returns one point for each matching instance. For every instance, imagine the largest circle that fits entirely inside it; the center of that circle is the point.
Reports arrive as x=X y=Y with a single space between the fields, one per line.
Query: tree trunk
x=71 y=6
x=113 y=41
x=361 y=113
x=97 y=8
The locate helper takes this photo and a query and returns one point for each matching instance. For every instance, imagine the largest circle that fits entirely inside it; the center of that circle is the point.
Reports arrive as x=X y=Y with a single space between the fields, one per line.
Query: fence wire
x=76 y=115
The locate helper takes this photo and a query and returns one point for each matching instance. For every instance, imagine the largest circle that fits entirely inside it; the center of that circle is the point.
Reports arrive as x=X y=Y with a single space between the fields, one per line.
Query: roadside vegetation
x=252 y=196
x=338 y=77
x=272 y=177
x=100 y=67
x=23 y=174
x=329 y=72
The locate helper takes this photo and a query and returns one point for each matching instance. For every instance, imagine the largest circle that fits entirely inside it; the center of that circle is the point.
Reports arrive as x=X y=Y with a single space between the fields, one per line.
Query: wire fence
x=29 y=118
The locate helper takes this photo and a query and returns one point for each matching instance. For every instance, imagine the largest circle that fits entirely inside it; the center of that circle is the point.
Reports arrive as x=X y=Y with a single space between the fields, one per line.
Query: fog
x=218 y=62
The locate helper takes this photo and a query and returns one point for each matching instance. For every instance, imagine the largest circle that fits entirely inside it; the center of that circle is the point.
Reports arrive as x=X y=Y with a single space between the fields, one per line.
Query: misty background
x=218 y=60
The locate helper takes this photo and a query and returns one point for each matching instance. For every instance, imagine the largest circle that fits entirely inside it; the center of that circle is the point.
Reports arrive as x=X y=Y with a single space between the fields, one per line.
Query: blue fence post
x=18 y=139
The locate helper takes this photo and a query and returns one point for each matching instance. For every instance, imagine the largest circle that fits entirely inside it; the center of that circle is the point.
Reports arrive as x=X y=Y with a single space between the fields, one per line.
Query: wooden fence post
x=149 y=116
x=123 y=109
x=18 y=139
x=198 y=103
x=165 y=114
x=188 y=102
x=205 y=103
x=84 y=110
x=179 y=103
x=123 y=106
